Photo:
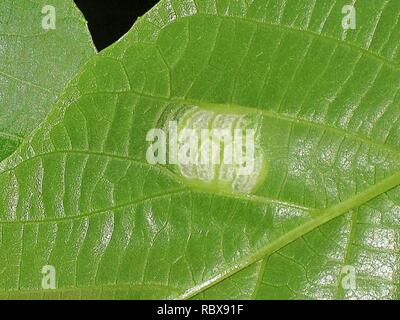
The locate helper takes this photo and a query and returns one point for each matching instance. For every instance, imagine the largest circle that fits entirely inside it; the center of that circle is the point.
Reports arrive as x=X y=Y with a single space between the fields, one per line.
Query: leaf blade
x=323 y=160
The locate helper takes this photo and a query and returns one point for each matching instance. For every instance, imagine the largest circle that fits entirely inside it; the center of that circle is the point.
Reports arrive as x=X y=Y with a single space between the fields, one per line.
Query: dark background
x=109 y=20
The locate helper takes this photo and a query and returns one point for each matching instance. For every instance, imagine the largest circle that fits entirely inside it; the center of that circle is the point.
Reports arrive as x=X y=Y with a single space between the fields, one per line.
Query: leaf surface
x=36 y=63
x=80 y=195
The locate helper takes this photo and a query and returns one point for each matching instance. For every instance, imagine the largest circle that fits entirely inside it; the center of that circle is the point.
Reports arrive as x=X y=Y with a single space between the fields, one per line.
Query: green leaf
x=80 y=195
x=36 y=63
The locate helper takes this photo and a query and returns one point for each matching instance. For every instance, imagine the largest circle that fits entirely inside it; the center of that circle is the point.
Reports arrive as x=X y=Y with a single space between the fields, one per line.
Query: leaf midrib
x=322 y=217
x=90 y=214
x=326 y=214
x=184 y=188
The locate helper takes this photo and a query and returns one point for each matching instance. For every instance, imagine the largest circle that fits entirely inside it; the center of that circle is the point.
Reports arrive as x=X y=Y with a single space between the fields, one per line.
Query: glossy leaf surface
x=81 y=196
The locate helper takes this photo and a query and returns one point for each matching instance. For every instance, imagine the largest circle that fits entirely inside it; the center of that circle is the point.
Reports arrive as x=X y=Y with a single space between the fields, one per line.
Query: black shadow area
x=109 y=20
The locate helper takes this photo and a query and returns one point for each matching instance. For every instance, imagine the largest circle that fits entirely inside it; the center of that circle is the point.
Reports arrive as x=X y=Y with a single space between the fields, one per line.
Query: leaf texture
x=36 y=63
x=80 y=195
